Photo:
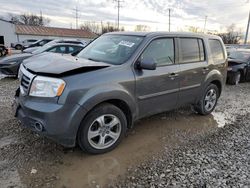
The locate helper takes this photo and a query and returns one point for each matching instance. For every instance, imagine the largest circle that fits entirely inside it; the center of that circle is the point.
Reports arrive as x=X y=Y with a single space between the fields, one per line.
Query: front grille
x=25 y=83
x=26 y=79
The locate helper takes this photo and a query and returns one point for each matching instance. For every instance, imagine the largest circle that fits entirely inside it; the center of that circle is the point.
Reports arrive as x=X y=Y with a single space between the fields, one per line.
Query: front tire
x=209 y=100
x=102 y=130
x=235 y=79
x=18 y=47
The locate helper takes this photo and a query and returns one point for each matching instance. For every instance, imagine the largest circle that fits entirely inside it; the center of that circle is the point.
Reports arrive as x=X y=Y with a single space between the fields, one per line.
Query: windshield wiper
x=170 y=59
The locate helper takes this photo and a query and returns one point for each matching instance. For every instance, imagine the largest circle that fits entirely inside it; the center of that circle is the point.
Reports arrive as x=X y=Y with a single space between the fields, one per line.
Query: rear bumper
x=55 y=121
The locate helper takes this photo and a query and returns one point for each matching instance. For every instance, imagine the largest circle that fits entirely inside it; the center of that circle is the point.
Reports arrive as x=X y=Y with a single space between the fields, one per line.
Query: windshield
x=41 y=49
x=112 y=49
x=244 y=56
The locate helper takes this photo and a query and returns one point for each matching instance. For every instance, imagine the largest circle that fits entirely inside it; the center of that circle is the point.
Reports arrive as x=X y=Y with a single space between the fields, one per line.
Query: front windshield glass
x=112 y=49
x=244 y=56
x=41 y=49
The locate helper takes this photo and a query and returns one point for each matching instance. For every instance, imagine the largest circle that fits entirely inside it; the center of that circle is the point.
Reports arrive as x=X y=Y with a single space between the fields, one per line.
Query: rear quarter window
x=217 y=50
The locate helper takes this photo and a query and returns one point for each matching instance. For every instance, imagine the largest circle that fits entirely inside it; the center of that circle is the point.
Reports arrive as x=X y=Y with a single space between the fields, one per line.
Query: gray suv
x=93 y=98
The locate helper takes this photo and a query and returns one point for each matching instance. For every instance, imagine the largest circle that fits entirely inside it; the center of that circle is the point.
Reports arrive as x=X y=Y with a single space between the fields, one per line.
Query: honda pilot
x=92 y=99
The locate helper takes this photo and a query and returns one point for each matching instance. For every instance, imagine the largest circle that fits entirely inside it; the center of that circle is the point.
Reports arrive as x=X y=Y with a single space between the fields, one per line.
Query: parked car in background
x=115 y=80
x=10 y=65
x=20 y=45
x=3 y=50
x=71 y=41
x=238 y=66
x=37 y=43
x=230 y=49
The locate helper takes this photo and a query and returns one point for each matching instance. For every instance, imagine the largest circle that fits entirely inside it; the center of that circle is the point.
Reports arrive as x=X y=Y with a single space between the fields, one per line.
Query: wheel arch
x=121 y=99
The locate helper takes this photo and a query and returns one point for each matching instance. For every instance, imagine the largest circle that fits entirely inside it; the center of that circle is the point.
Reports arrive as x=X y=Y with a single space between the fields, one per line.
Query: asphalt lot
x=155 y=143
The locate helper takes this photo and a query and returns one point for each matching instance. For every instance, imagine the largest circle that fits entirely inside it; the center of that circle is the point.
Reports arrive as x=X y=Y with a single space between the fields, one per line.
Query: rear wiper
x=91 y=59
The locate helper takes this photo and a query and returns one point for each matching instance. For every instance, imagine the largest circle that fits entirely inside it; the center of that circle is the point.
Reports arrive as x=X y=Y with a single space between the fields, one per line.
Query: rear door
x=157 y=90
x=193 y=68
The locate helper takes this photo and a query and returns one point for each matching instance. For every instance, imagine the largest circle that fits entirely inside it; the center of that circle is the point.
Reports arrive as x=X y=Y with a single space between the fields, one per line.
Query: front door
x=157 y=90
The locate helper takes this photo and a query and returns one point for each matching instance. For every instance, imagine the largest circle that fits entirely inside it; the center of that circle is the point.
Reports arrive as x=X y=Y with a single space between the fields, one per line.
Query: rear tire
x=18 y=47
x=209 y=100
x=235 y=79
x=102 y=129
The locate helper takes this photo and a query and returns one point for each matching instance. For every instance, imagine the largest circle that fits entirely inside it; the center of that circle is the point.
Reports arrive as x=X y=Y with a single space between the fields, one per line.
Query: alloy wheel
x=104 y=131
x=210 y=99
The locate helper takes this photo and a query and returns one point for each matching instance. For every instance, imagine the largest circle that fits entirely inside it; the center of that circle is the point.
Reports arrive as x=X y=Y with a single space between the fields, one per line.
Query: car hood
x=239 y=61
x=16 y=57
x=51 y=64
x=30 y=50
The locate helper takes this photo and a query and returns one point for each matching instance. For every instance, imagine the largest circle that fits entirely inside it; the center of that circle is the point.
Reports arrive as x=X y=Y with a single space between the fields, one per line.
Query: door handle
x=173 y=75
x=205 y=69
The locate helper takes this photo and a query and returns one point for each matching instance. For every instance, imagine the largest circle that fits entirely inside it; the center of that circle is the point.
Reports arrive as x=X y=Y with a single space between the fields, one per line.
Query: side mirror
x=147 y=64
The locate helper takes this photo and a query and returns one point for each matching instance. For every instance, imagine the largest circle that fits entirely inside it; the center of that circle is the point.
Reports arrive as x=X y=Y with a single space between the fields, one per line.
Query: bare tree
x=109 y=27
x=231 y=36
x=100 y=28
x=91 y=27
x=29 y=19
x=142 y=28
x=193 y=29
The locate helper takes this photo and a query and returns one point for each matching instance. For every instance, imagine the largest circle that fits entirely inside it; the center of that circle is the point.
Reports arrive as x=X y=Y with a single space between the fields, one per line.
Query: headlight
x=46 y=87
x=229 y=68
x=11 y=62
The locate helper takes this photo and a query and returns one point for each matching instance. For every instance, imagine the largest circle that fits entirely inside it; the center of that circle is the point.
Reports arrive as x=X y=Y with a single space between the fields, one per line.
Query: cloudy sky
x=154 y=13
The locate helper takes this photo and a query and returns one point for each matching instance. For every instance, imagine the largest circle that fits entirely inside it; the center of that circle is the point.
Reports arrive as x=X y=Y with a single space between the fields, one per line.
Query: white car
x=20 y=45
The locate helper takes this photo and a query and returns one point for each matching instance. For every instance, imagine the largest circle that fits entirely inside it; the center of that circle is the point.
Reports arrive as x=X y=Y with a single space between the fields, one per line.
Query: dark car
x=10 y=65
x=37 y=43
x=93 y=98
x=3 y=50
x=71 y=41
x=238 y=66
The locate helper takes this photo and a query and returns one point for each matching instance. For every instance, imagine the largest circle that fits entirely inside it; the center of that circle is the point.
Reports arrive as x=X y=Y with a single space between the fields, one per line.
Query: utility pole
x=205 y=24
x=247 y=29
x=169 y=15
x=76 y=11
x=118 y=13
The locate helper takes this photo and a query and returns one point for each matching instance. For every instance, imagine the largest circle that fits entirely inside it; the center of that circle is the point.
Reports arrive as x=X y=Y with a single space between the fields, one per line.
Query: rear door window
x=216 y=50
x=191 y=50
x=73 y=49
x=58 y=49
x=161 y=50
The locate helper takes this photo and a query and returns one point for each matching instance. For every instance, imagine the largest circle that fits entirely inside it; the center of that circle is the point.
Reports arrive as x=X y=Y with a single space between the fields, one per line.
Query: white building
x=11 y=33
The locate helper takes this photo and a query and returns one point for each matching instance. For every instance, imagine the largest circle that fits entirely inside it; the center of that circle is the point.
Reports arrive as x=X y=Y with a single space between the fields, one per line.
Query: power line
x=76 y=15
x=169 y=14
x=205 y=24
x=247 y=29
x=118 y=13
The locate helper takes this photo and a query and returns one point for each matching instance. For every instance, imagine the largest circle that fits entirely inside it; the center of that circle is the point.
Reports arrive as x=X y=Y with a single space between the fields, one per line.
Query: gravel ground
x=206 y=157
x=221 y=159
x=21 y=150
